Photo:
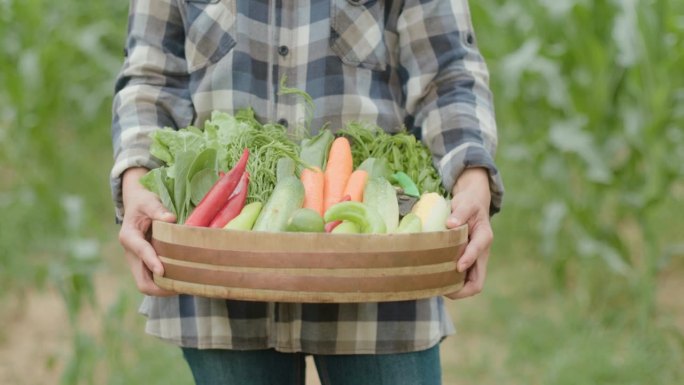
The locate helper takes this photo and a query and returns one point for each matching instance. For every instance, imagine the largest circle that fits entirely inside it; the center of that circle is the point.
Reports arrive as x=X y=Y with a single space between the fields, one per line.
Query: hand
x=470 y=205
x=141 y=208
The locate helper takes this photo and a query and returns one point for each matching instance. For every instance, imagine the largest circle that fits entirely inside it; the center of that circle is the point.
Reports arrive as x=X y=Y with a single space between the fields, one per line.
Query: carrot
x=313 y=180
x=337 y=171
x=356 y=184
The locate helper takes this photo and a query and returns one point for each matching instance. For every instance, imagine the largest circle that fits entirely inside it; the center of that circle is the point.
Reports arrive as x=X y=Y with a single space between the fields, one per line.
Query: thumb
x=158 y=212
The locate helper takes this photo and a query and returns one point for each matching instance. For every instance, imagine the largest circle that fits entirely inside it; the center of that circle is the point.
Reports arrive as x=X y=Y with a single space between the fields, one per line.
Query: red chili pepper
x=330 y=226
x=234 y=204
x=218 y=195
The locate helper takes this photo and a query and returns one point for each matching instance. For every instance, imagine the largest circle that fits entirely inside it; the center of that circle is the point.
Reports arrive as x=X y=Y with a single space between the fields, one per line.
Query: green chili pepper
x=406 y=184
x=366 y=218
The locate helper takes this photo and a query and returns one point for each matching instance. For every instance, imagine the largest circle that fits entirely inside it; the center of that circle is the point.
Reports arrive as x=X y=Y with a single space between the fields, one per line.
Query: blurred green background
x=586 y=275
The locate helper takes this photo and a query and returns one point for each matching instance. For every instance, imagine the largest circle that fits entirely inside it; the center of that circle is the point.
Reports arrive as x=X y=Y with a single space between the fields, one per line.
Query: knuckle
x=124 y=236
x=488 y=234
x=146 y=288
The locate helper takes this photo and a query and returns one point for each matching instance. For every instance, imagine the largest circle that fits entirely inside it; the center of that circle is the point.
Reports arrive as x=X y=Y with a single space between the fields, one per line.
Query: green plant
x=589 y=99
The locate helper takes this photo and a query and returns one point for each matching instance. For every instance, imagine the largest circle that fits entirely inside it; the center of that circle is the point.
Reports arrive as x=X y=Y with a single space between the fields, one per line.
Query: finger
x=134 y=242
x=480 y=241
x=474 y=281
x=143 y=278
x=460 y=214
x=157 y=211
x=147 y=285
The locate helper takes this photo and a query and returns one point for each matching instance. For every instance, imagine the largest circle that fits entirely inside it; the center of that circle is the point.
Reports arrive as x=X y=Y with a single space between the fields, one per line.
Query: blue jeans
x=269 y=367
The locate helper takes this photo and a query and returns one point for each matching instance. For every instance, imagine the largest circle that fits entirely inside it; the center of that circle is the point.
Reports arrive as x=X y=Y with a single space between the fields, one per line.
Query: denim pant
x=268 y=367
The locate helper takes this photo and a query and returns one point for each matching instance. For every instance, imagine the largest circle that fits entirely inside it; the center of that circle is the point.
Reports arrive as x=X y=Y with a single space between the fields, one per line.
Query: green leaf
x=184 y=161
x=376 y=168
x=201 y=183
x=156 y=181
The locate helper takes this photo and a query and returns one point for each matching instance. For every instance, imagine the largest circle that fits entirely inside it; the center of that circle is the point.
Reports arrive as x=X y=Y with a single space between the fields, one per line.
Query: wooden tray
x=308 y=267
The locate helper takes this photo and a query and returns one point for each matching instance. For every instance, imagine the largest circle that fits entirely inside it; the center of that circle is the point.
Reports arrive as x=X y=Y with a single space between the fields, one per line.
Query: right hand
x=141 y=208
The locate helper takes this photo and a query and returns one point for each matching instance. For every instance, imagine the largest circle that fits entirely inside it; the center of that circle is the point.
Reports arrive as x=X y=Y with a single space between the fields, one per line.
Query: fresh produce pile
x=239 y=174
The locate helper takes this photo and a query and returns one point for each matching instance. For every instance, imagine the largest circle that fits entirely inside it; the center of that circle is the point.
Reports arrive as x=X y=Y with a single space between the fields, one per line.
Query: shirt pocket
x=357 y=32
x=210 y=27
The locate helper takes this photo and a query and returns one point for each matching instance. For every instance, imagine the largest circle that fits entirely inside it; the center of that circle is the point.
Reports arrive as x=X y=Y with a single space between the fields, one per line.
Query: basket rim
x=240 y=240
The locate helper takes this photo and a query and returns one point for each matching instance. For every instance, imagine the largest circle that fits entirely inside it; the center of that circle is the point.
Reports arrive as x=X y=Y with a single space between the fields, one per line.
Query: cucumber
x=287 y=197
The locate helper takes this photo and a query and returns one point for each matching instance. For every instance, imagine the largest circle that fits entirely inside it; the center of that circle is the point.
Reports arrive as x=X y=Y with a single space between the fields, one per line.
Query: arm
x=447 y=93
x=151 y=92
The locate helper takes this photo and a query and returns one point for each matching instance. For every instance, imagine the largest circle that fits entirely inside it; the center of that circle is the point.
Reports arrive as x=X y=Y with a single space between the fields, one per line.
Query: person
x=402 y=63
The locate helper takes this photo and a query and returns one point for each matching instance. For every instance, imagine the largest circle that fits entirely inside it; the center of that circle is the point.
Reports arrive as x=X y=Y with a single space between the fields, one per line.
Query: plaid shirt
x=411 y=63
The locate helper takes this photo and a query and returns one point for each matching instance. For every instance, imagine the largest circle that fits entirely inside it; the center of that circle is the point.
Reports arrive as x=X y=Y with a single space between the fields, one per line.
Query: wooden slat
x=297 y=297
x=310 y=259
x=303 y=242
x=275 y=280
x=322 y=272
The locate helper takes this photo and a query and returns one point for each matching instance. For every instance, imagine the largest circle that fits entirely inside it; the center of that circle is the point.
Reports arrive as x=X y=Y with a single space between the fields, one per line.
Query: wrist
x=132 y=175
x=477 y=177
x=130 y=181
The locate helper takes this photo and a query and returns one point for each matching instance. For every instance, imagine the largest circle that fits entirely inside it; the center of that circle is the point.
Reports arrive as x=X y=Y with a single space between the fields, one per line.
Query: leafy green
x=376 y=168
x=200 y=184
x=193 y=157
x=315 y=149
x=401 y=152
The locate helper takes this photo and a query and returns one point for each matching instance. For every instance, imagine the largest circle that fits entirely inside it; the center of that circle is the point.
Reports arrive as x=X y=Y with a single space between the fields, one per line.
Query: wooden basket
x=308 y=267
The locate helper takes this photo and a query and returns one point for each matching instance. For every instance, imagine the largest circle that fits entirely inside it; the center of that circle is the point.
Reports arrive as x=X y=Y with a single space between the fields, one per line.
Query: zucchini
x=287 y=197
x=284 y=168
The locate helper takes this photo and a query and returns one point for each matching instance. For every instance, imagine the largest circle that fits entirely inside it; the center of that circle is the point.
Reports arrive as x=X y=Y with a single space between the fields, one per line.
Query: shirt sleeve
x=151 y=90
x=447 y=89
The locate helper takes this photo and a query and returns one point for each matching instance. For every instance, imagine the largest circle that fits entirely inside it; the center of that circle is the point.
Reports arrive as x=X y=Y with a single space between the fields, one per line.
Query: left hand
x=470 y=205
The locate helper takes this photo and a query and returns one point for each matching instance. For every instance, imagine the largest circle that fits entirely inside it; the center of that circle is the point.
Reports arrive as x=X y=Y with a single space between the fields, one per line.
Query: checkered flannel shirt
x=411 y=63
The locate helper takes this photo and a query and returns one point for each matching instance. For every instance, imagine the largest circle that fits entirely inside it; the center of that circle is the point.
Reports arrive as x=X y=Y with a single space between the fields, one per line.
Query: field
x=587 y=266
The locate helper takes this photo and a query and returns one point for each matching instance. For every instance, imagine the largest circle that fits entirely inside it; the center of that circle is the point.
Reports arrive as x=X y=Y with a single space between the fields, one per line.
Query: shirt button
x=470 y=39
x=283 y=50
x=282 y=122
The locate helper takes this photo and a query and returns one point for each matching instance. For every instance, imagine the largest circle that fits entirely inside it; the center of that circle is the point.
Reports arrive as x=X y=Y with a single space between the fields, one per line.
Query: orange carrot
x=356 y=184
x=313 y=180
x=337 y=171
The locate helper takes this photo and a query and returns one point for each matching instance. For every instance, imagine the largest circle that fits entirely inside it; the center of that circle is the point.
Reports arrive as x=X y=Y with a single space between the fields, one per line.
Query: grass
x=589 y=98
